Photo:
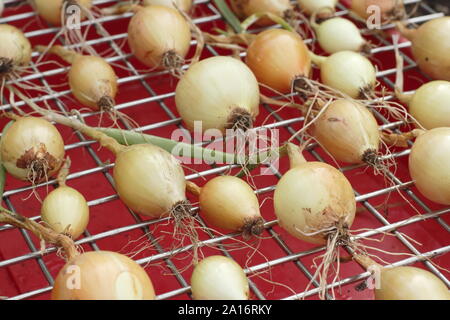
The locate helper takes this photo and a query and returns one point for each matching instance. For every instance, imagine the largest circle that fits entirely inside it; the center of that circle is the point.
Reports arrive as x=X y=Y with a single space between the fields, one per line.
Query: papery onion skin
x=246 y=8
x=103 y=275
x=430 y=104
x=149 y=180
x=66 y=210
x=50 y=11
x=183 y=5
x=311 y=197
x=92 y=79
x=310 y=6
x=410 y=283
x=15 y=47
x=339 y=34
x=429 y=165
x=347 y=130
x=2 y=6
x=389 y=9
x=216 y=91
x=219 y=278
x=277 y=57
x=230 y=203
x=32 y=149
x=431 y=47
x=349 y=72
x=157 y=31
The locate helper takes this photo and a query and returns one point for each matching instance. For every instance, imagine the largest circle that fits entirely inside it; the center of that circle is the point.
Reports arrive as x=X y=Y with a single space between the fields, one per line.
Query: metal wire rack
x=28 y=273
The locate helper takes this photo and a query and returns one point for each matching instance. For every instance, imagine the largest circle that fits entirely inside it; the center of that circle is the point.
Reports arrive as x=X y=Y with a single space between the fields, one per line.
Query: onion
x=429 y=165
x=389 y=9
x=221 y=92
x=159 y=37
x=219 y=278
x=431 y=46
x=64 y=209
x=430 y=104
x=246 y=8
x=102 y=275
x=349 y=72
x=410 y=283
x=230 y=203
x=149 y=180
x=52 y=11
x=313 y=198
x=183 y=5
x=348 y=131
x=311 y=6
x=339 y=34
x=15 y=50
x=277 y=57
x=2 y=6
x=32 y=149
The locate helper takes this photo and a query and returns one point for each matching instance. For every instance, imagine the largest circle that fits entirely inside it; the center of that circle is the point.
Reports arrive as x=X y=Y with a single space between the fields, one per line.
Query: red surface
x=26 y=276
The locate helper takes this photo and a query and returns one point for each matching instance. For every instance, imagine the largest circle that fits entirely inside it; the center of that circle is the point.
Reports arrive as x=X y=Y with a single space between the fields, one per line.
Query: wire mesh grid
x=293 y=259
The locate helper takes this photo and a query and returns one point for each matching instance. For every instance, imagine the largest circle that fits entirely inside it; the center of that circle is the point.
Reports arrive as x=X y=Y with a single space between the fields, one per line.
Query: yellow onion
x=219 y=278
x=246 y=8
x=102 y=275
x=339 y=34
x=218 y=92
x=51 y=11
x=277 y=57
x=348 y=72
x=311 y=6
x=65 y=210
x=410 y=283
x=32 y=149
x=389 y=9
x=430 y=104
x=93 y=82
x=348 y=131
x=230 y=203
x=183 y=5
x=312 y=198
x=15 y=49
x=149 y=180
x=431 y=47
x=429 y=165
x=159 y=37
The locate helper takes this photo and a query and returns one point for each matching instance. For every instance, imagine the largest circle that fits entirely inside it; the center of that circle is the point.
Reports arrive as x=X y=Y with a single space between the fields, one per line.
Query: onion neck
x=64 y=172
x=407 y=33
x=295 y=155
x=193 y=188
x=316 y=59
x=65 y=54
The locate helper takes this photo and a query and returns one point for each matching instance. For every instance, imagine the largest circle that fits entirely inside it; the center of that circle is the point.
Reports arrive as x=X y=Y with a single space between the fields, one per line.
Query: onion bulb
x=339 y=34
x=15 y=49
x=348 y=131
x=32 y=149
x=348 y=72
x=183 y=5
x=219 y=278
x=431 y=47
x=277 y=57
x=52 y=11
x=430 y=104
x=159 y=37
x=220 y=92
x=65 y=210
x=230 y=203
x=410 y=283
x=429 y=165
x=311 y=6
x=149 y=180
x=102 y=275
x=388 y=9
x=246 y=8
x=312 y=198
